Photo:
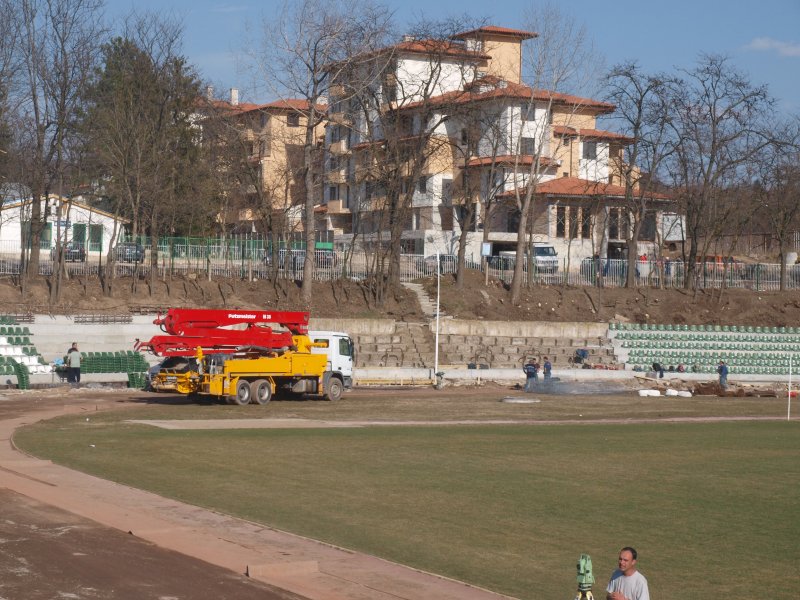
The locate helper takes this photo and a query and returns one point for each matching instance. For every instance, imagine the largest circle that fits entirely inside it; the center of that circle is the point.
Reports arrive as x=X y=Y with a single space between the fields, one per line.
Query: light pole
x=438 y=291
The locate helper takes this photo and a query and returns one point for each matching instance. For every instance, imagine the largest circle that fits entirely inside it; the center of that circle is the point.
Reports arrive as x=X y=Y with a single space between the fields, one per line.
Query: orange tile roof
x=576 y=187
x=300 y=104
x=564 y=130
x=506 y=89
x=438 y=47
x=494 y=29
x=511 y=159
x=598 y=134
x=606 y=135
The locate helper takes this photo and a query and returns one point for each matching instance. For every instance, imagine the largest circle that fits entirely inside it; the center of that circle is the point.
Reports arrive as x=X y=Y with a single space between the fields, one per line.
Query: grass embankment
x=712 y=507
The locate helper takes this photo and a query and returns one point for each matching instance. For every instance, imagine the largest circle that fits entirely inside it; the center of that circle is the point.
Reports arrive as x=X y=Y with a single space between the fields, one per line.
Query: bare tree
x=299 y=57
x=720 y=123
x=9 y=65
x=406 y=120
x=59 y=43
x=561 y=58
x=778 y=189
x=643 y=111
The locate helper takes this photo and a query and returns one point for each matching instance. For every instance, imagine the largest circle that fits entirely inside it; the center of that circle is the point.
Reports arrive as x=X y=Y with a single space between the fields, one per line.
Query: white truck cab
x=340 y=351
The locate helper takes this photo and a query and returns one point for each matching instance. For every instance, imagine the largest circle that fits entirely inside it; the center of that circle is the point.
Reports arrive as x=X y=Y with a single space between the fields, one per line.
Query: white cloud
x=765 y=44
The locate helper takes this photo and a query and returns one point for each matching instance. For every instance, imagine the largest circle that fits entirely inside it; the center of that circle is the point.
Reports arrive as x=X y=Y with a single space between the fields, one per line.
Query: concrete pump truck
x=240 y=356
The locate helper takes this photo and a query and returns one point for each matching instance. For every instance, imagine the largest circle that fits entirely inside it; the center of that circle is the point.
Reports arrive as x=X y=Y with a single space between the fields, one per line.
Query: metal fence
x=250 y=261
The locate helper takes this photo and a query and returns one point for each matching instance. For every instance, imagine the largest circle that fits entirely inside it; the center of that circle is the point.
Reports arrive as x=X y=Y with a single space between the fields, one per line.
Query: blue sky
x=762 y=38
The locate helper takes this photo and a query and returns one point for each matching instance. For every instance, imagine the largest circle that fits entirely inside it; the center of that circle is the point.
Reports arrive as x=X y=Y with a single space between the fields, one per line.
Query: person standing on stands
x=547 y=368
x=722 y=369
x=74 y=364
x=658 y=368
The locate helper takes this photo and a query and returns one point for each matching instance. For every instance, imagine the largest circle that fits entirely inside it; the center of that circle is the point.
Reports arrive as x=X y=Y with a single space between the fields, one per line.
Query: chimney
x=209 y=92
x=234 y=96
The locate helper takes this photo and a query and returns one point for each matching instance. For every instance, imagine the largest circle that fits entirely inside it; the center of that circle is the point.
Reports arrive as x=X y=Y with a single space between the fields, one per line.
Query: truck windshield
x=545 y=251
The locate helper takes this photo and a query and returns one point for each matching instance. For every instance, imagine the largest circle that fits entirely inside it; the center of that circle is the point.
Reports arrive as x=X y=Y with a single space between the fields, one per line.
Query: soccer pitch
x=712 y=507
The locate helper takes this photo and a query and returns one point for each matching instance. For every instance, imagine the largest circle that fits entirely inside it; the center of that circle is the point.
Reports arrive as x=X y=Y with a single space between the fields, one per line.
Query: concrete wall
x=521 y=329
x=354 y=326
x=53 y=335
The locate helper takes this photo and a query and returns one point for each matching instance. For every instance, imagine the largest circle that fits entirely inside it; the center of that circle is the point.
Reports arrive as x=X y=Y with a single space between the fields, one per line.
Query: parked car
x=448 y=263
x=73 y=251
x=129 y=252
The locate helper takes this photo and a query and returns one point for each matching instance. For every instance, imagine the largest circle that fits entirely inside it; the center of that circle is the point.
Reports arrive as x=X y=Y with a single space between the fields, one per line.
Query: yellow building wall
x=506 y=61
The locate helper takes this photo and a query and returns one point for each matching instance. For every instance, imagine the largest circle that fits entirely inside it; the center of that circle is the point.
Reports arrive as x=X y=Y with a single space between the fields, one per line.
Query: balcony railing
x=336 y=176
x=340 y=147
x=341 y=118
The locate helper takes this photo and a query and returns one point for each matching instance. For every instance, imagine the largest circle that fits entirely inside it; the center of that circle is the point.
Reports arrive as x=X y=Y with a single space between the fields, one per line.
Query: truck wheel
x=243 y=395
x=261 y=391
x=334 y=389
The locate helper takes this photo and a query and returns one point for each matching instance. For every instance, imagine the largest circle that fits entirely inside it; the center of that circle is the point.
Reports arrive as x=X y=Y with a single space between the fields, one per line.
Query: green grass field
x=712 y=507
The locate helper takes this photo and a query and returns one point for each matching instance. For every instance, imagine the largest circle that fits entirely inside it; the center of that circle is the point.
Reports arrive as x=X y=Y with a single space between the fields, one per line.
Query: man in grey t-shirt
x=74 y=364
x=626 y=582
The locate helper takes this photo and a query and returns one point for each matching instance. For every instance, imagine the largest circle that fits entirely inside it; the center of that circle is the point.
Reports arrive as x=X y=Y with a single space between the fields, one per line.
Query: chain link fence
x=250 y=259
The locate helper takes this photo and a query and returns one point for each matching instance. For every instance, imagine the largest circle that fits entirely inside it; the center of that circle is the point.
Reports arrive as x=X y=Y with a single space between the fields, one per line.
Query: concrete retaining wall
x=521 y=329
x=354 y=326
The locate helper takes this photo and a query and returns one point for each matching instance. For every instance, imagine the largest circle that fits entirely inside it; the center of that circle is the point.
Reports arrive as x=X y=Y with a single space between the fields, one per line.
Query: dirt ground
x=351 y=299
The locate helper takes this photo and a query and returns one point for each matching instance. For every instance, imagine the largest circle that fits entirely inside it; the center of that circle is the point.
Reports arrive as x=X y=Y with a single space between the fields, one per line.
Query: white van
x=545 y=257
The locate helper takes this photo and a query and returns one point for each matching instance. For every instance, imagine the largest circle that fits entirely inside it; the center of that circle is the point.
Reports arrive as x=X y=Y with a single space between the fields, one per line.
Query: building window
x=561 y=221
x=586 y=223
x=527 y=145
x=95 y=238
x=527 y=112
x=422 y=185
x=617 y=224
x=293 y=120
x=648 y=230
x=575 y=221
x=590 y=150
x=333 y=193
x=464 y=137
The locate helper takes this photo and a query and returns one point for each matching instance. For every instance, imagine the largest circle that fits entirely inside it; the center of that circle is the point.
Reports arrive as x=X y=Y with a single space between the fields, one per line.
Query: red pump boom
x=190 y=328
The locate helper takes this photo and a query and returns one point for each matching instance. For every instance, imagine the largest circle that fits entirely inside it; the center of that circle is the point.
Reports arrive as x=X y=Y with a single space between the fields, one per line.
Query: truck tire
x=335 y=389
x=261 y=391
x=243 y=395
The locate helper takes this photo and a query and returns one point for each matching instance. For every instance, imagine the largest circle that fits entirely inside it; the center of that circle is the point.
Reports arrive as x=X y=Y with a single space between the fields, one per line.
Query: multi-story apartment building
x=421 y=130
x=272 y=136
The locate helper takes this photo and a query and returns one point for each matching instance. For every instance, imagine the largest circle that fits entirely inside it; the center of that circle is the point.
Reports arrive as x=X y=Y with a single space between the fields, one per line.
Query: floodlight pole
x=438 y=293
x=789 y=392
